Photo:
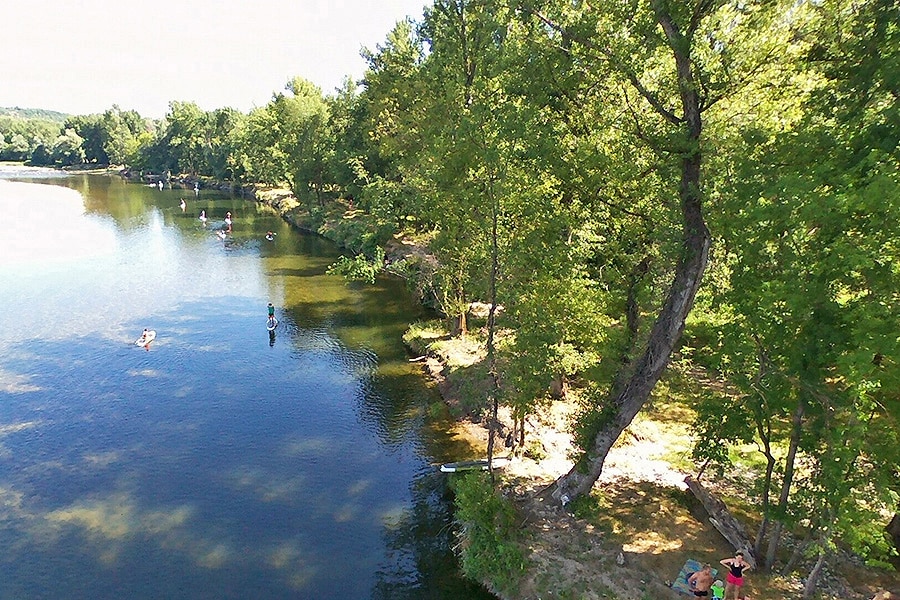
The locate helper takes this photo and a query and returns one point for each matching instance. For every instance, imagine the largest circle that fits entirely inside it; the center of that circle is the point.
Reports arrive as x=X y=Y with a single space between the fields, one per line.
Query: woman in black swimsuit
x=734 y=579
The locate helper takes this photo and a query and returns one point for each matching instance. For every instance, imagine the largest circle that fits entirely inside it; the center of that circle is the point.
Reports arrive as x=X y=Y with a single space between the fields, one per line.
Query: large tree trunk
x=669 y=324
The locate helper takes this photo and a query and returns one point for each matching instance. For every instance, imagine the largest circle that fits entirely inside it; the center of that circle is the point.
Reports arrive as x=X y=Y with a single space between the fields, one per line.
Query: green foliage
x=41 y=157
x=302 y=119
x=67 y=149
x=593 y=414
x=488 y=547
x=359 y=267
x=420 y=335
x=91 y=131
x=125 y=133
x=23 y=135
x=810 y=300
x=183 y=137
x=361 y=233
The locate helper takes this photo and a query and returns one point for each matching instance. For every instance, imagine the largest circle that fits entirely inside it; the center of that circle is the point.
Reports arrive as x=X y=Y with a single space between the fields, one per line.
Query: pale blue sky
x=82 y=57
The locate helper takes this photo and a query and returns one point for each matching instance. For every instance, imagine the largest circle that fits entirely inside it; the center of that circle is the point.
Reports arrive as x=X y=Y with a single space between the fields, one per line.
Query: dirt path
x=645 y=525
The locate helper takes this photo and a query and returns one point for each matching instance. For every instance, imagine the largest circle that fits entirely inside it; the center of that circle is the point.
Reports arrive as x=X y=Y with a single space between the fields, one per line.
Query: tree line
x=712 y=179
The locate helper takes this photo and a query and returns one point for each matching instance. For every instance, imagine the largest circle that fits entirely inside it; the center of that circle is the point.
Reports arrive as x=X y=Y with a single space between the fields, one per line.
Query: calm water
x=219 y=463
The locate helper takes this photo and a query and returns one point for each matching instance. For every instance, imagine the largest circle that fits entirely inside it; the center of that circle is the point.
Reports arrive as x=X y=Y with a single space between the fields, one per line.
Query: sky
x=83 y=56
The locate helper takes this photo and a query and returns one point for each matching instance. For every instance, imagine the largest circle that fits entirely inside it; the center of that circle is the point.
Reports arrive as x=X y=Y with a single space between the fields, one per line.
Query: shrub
x=488 y=550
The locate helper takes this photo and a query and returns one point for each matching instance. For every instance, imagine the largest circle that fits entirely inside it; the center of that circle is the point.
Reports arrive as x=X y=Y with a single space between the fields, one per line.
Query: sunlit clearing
x=652 y=543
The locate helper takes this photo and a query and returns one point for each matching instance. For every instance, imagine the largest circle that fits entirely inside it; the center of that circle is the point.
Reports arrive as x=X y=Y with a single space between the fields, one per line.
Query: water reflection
x=214 y=465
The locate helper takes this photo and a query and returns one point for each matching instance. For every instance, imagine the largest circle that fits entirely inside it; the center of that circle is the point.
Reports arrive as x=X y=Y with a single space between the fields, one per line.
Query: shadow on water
x=216 y=466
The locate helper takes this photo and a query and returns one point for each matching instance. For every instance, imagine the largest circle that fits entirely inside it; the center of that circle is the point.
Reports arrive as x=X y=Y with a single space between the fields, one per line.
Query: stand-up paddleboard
x=145 y=338
x=475 y=465
x=271 y=324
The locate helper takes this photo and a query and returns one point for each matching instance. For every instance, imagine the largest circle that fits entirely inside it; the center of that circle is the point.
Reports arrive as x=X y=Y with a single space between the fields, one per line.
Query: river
x=219 y=462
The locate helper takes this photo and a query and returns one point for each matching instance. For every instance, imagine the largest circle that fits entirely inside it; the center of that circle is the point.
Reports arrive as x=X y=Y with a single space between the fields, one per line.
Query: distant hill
x=33 y=113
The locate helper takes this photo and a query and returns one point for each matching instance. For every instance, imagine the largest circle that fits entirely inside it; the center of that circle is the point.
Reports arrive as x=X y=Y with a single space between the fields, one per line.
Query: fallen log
x=724 y=522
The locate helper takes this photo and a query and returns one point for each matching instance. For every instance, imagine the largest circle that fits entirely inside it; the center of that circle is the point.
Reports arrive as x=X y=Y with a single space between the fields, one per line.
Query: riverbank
x=632 y=537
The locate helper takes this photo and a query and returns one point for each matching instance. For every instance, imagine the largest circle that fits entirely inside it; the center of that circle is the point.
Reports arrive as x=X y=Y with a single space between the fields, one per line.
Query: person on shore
x=228 y=220
x=203 y=216
x=183 y=205
x=700 y=581
x=734 y=579
x=718 y=590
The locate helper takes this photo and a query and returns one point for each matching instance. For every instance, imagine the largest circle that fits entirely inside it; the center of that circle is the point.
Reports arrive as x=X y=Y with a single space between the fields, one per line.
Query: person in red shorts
x=734 y=579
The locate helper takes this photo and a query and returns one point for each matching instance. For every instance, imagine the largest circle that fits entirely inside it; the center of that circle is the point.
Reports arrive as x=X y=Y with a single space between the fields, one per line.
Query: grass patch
x=488 y=548
x=421 y=335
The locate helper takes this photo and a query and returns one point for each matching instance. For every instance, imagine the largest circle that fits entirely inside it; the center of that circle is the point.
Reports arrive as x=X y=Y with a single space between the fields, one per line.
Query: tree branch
x=608 y=56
